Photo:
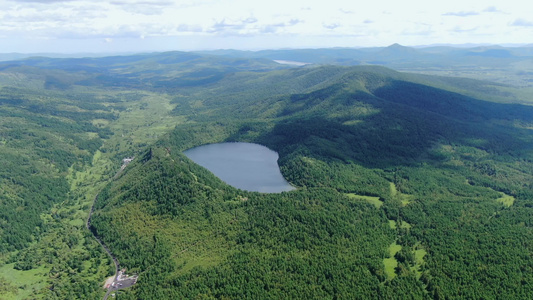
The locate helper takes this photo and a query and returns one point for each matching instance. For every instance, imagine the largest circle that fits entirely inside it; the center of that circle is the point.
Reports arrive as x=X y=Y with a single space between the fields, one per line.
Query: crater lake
x=246 y=166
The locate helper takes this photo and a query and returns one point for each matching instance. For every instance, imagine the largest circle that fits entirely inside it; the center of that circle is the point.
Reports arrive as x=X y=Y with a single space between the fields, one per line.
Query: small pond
x=246 y=166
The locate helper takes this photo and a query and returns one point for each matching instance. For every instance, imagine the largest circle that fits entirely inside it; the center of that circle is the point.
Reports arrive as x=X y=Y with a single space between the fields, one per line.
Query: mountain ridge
x=361 y=133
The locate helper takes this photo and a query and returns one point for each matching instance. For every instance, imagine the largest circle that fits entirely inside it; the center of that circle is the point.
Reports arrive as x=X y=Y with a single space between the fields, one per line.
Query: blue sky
x=72 y=26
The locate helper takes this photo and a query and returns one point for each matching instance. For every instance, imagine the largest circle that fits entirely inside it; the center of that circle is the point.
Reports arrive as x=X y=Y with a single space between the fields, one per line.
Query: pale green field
x=419 y=260
x=506 y=200
x=419 y=256
x=391 y=263
x=144 y=121
x=393 y=224
x=404 y=198
x=27 y=282
x=372 y=200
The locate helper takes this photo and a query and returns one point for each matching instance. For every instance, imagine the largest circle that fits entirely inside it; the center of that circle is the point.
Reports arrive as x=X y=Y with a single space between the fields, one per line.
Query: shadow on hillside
x=452 y=104
x=412 y=119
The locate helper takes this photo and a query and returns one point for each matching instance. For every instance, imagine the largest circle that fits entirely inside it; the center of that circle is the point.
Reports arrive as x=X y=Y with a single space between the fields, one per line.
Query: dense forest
x=45 y=138
x=407 y=186
x=440 y=164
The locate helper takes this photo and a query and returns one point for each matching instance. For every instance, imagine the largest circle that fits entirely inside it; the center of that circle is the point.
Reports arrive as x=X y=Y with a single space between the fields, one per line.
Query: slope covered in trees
x=409 y=186
x=439 y=161
x=45 y=138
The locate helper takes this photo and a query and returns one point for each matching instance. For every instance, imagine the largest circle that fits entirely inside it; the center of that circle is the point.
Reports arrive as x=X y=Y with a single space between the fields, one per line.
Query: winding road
x=115 y=260
x=115 y=284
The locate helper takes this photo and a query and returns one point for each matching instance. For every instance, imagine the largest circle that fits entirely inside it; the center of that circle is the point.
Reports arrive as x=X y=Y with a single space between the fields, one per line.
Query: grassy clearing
x=420 y=253
x=88 y=181
x=404 y=198
x=100 y=122
x=188 y=261
x=391 y=263
x=372 y=200
x=394 y=248
x=405 y=225
x=390 y=267
x=146 y=120
x=77 y=222
x=419 y=256
x=352 y=122
x=506 y=200
x=393 y=190
x=26 y=282
x=393 y=224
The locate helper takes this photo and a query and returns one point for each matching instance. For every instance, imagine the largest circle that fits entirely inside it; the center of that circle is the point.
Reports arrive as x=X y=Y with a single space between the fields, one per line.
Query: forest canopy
x=408 y=186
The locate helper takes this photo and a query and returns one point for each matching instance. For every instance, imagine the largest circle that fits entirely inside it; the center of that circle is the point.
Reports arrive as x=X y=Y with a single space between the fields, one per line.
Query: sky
x=95 y=26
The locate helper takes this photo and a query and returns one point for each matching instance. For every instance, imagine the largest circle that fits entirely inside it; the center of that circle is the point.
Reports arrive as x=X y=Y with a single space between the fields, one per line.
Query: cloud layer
x=258 y=24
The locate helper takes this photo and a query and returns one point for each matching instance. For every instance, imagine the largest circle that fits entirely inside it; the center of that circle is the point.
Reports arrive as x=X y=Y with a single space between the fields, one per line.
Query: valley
x=407 y=185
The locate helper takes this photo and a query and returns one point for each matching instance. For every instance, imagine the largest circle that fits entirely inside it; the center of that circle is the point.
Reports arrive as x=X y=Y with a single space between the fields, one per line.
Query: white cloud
x=143 y=7
x=460 y=29
x=40 y=1
x=189 y=28
x=522 y=22
x=282 y=23
x=461 y=14
x=492 y=9
x=344 y=11
x=331 y=26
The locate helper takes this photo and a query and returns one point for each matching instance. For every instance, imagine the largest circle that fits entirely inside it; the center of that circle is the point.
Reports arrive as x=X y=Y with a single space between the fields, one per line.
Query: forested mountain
x=409 y=186
x=142 y=71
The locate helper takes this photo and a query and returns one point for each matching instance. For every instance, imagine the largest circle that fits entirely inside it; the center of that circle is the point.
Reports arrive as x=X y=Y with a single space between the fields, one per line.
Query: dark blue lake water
x=246 y=166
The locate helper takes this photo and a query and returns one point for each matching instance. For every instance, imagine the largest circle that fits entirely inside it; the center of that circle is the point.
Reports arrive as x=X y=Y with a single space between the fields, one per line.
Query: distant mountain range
x=508 y=65
x=393 y=54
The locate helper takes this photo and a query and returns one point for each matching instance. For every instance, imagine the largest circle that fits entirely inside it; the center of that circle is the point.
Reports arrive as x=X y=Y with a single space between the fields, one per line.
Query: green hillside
x=46 y=138
x=359 y=132
x=408 y=186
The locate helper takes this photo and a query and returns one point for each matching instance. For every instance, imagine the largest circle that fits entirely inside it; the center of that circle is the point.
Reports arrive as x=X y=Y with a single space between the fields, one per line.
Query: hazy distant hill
x=154 y=70
x=509 y=65
x=387 y=55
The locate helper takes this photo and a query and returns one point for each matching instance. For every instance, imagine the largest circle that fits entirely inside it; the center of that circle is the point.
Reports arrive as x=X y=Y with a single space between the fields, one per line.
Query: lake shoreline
x=247 y=166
